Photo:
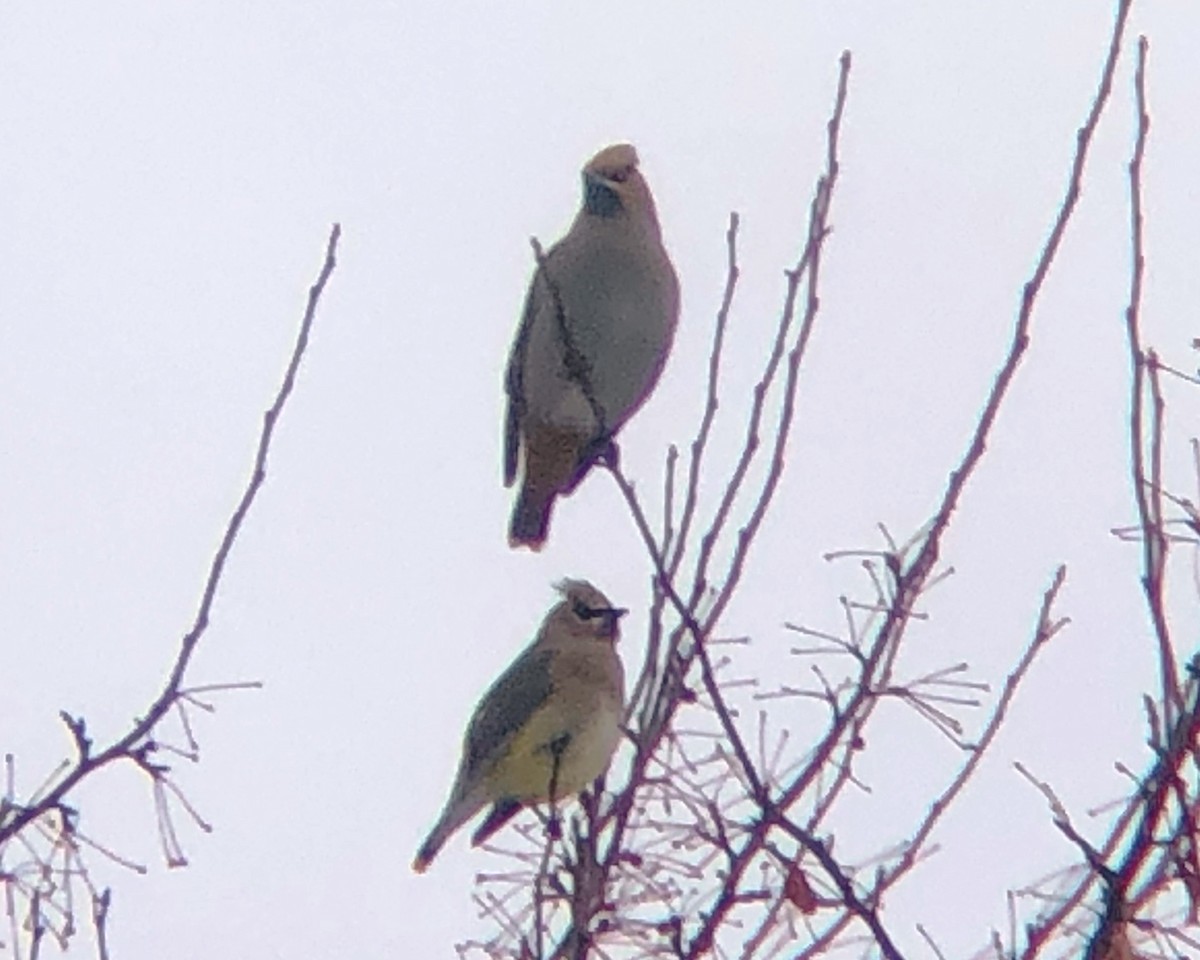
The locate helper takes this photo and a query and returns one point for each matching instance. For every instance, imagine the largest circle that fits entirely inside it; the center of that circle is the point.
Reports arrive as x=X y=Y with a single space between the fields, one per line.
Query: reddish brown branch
x=1149 y=849
x=810 y=262
x=913 y=580
x=1047 y=627
x=1147 y=482
x=927 y=556
x=1151 y=835
x=858 y=906
x=700 y=443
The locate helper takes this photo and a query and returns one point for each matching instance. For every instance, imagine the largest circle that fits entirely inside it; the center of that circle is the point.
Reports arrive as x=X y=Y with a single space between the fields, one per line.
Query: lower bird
x=548 y=727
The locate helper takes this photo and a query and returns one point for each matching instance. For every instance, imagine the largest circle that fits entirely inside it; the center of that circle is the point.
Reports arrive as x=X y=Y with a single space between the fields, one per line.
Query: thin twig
x=1147 y=486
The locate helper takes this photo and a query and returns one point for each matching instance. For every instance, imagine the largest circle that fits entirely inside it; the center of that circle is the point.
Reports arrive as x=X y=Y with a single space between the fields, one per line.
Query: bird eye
x=622 y=174
x=583 y=611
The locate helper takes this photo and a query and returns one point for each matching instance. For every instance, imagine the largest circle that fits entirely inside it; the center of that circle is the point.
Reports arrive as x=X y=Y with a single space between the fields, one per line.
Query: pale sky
x=170 y=173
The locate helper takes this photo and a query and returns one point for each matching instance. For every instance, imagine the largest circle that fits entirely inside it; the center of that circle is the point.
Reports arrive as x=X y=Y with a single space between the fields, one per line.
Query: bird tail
x=458 y=811
x=531 y=517
x=429 y=849
x=551 y=458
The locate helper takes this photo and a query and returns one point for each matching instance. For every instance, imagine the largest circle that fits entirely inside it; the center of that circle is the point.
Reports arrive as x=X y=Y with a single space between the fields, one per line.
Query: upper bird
x=598 y=323
x=548 y=727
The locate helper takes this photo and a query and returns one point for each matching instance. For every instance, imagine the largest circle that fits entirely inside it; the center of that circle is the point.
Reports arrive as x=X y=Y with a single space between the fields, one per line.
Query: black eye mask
x=600 y=199
x=584 y=612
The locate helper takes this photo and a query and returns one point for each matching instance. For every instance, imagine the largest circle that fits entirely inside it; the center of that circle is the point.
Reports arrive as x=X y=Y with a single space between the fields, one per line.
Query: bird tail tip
x=433 y=844
x=429 y=850
x=530 y=521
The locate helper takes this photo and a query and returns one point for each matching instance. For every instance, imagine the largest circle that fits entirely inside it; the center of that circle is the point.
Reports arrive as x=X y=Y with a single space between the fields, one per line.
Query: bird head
x=613 y=186
x=585 y=613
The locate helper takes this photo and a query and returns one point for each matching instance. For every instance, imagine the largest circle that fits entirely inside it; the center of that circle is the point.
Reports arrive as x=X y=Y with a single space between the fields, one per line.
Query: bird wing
x=515 y=389
x=506 y=708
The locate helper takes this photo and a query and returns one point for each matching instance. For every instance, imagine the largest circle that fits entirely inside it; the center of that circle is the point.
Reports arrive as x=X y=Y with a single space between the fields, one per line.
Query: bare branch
x=138 y=744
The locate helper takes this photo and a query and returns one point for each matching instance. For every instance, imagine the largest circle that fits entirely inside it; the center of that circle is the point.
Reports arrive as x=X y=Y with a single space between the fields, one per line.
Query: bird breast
x=619 y=301
x=586 y=709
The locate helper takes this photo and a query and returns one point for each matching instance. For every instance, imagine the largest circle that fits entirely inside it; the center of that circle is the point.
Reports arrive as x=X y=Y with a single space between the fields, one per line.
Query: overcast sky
x=168 y=176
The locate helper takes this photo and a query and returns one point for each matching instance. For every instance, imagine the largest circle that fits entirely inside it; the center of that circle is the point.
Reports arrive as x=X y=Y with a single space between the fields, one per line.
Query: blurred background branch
x=42 y=862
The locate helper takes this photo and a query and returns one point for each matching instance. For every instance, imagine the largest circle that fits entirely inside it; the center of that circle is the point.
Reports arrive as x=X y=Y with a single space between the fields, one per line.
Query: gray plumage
x=598 y=323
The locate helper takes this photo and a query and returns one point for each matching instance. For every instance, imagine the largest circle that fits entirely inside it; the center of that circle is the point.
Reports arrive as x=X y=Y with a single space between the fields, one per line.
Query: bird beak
x=612 y=617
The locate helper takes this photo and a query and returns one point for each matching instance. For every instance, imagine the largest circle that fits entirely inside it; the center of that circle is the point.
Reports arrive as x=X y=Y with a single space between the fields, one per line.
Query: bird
x=548 y=727
x=599 y=320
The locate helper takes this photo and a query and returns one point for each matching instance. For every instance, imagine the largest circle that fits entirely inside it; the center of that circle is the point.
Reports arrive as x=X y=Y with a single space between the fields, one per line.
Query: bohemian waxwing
x=598 y=323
